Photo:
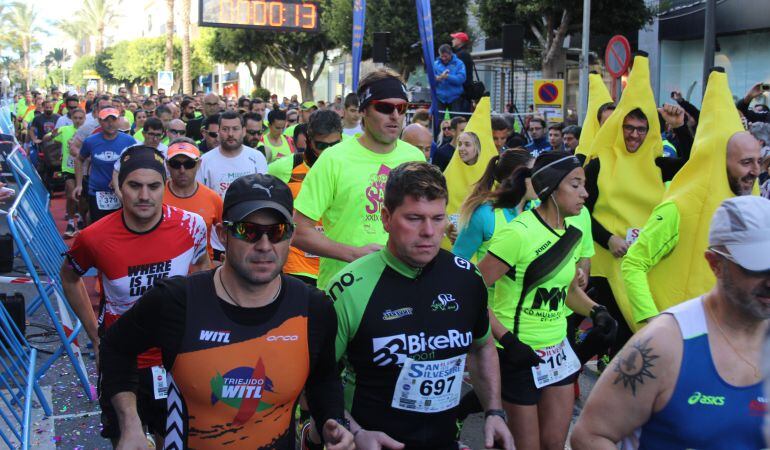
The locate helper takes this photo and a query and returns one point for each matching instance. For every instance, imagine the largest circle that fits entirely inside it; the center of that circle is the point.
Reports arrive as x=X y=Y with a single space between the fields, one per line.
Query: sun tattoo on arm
x=633 y=365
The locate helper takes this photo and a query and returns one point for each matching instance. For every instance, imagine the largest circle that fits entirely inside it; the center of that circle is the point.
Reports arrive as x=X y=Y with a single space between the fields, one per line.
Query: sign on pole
x=165 y=79
x=549 y=99
x=617 y=58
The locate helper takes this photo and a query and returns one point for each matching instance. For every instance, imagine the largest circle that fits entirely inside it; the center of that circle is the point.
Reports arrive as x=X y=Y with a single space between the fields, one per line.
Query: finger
x=489 y=436
x=388 y=442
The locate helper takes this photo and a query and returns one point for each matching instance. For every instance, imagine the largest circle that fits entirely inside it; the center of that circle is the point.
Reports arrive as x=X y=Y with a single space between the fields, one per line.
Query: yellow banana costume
x=597 y=96
x=460 y=177
x=666 y=263
x=629 y=185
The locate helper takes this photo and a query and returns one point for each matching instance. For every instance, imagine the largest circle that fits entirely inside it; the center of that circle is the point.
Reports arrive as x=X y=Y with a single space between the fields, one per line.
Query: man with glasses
x=254 y=129
x=176 y=129
x=103 y=150
x=210 y=133
x=346 y=186
x=211 y=104
x=323 y=130
x=691 y=378
x=538 y=139
x=276 y=144
x=241 y=342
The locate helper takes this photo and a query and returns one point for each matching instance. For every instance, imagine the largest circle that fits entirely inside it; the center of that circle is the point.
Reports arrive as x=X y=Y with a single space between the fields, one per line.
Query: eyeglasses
x=213 y=134
x=155 y=135
x=321 y=146
x=253 y=132
x=173 y=131
x=211 y=104
x=291 y=120
x=445 y=128
x=253 y=232
x=188 y=164
x=383 y=107
x=630 y=129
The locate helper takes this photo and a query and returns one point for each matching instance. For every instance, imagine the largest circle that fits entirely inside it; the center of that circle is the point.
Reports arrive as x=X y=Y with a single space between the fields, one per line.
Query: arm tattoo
x=634 y=365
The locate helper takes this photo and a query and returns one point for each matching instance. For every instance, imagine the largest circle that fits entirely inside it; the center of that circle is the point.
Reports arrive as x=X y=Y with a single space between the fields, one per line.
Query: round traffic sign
x=617 y=57
x=548 y=92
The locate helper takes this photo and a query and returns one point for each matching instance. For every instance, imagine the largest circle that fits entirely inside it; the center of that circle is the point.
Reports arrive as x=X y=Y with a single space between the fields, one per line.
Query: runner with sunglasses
x=324 y=131
x=210 y=132
x=276 y=144
x=345 y=188
x=133 y=248
x=240 y=342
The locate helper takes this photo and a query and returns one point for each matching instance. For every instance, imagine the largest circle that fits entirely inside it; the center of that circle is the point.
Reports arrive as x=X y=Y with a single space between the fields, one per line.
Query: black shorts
x=518 y=385
x=152 y=412
x=66 y=176
x=94 y=212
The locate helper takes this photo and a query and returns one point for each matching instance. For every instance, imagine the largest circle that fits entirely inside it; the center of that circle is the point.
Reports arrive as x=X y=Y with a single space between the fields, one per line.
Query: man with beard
x=194 y=121
x=352 y=171
x=210 y=132
x=691 y=378
x=43 y=123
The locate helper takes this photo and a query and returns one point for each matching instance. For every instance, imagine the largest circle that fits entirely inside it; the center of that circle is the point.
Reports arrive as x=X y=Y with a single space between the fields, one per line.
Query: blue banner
x=359 y=14
x=425 y=25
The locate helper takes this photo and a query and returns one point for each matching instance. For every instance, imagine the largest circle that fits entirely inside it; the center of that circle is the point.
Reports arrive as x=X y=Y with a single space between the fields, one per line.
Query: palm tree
x=97 y=15
x=22 y=33
x=186 y=76
x=75 y=30
x=169 y=63
x=58 y=56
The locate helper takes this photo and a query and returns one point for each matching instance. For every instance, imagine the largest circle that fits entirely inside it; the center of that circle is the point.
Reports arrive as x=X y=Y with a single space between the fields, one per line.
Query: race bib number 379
x=429 y=386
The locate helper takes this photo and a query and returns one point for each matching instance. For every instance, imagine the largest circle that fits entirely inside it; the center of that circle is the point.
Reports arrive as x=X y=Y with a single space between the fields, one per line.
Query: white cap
x=742 y=225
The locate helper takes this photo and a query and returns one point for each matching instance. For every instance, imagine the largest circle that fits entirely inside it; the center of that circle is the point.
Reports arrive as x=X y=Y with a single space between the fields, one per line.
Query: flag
x=359 y=15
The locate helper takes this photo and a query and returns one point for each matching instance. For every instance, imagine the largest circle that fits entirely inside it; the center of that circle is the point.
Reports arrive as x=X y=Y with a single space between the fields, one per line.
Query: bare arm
x=203 y=263
x=308 y=239
x=639 y=382
x=78 y=178
x=577 y=300
x=485 y=372
x=131 y=433
x=492 y=269
x=76 y=294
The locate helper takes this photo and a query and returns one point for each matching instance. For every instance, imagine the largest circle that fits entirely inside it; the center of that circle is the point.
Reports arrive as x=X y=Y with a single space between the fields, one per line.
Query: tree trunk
x=169 y=63
x=556 y=64
x=256 y=74
x=186 y=76
x=305 y=85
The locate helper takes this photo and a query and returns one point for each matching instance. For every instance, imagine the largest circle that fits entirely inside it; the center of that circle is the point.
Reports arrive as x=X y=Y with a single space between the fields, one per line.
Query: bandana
x=140 y=157
x=389 y=87
x=546 y=179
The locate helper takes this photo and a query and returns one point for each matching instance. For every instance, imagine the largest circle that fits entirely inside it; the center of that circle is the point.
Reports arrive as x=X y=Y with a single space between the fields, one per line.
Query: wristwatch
x=595 y=310
x=496 y=412
x=344 y=422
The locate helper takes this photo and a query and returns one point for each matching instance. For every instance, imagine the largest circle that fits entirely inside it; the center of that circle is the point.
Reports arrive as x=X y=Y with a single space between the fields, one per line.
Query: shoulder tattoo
x=634 y=364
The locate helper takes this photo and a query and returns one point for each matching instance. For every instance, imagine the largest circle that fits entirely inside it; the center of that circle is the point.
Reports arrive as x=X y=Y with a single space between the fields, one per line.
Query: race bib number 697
x=429 y=386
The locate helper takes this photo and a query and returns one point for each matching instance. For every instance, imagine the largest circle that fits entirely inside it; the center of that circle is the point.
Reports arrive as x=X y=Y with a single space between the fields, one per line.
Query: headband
x=140 y=157
x=546 y=179
x=389 y=87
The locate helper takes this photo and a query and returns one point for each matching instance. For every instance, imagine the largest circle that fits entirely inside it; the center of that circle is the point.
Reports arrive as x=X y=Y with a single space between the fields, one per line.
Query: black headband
x=546 y=179
x=389 y=87
x=140 y=157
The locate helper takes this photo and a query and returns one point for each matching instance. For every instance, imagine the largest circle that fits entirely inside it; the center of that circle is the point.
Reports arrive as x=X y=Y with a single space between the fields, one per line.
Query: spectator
x=450 y=76
x=743 y=105
x=501 y=130
x=460 y=42
x=443 y=154
x=420 y=137
x=422 y=117
x=539 y=141
x=761 y=132
x=571 y=138
x=446 y=132
x=556 y=137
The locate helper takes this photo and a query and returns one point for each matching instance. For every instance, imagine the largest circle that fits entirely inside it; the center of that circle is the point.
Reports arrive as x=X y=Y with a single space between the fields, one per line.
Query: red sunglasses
x=383 y=107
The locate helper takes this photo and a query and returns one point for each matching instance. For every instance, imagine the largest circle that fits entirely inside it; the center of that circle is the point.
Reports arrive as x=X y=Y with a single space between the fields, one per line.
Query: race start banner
x=425 y=25
x=359 y=24
x=549 y=99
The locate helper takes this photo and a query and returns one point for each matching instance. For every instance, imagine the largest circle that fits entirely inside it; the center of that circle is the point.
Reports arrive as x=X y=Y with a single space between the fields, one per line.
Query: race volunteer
x=532 y=264
x=184 y=192
x=324 y=130
x=133 y=248
x=276 y=144
x=409 y=315
x=102 y=149
x=346 y=185
x=691 y=378
x=240 y=342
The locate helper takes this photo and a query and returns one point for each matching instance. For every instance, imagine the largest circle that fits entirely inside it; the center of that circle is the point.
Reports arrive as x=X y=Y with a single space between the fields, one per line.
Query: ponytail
x=513 y=189
x=480 y=193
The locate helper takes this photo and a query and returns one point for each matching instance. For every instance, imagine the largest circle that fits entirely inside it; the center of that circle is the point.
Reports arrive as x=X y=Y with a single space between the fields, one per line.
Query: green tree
x=399 y=17
x=87 y=62
x=22 y=31
x=75 y=30
x=96 y=16
x=548 y=22
x=233 y=46
x=57 y=57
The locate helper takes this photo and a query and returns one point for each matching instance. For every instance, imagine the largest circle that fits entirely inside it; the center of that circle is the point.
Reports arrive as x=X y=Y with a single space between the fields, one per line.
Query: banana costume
x=629 y=185
x=597 y=96
x=460 y=177
x=666 y=263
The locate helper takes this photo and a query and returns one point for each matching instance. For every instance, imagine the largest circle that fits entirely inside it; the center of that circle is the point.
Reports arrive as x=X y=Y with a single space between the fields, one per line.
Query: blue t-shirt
x=103 y=155
x=480 y=228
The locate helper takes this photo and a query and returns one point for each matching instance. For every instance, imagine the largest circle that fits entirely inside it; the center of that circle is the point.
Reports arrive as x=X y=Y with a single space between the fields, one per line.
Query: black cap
x=251 y=193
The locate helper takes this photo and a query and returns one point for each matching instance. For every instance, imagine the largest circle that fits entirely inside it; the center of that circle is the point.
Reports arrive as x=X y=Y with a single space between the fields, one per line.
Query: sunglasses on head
x=383 y=107
x=177 y=164
x=321 y=146
x=253 y=232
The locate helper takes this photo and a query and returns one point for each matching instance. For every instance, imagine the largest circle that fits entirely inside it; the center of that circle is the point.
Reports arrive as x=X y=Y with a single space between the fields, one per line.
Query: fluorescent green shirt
x=657 y=239
x=345 y=188
x=65 y=134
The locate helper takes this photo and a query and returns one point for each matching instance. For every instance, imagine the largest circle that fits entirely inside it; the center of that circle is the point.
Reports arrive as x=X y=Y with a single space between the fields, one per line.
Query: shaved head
x=419 y=136
x=122 y=124
x=744 y=154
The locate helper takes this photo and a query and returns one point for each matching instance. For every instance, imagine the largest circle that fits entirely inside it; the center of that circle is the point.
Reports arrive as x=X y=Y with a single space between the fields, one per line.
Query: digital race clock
x=275 y=15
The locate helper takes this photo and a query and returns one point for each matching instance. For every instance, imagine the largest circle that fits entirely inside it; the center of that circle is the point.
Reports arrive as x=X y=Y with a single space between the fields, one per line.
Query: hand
x=375 y=440
x=337 y=437
x=604 y=322
x=672 y=114
x=451 y=232
x=133 y=440
x=54 y=132
x=5 y=194
x=519 y=354
x=618 y=246
x=76 y=192
x=677 y=96
x=358 y=252
x=754 y=92
x=495 y=430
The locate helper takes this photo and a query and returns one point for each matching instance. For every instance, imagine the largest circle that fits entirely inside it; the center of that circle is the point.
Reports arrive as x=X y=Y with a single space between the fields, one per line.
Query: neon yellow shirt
x=277 y=151
x=345 y=188
x=65 y=134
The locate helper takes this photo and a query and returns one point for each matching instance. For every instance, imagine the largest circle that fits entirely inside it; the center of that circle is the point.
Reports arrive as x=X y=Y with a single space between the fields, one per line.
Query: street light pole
x=583 y=87
x=709 y=39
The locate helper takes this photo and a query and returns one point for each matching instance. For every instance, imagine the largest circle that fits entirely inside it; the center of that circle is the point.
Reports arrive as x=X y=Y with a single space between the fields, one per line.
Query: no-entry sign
x=549 y=99
x=617 y=57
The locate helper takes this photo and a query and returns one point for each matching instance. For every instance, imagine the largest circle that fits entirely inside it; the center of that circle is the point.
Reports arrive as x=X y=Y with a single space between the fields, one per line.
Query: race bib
x=429 y=386
x=632 y=235
x=159 y=382
x=70 y=162
x=560 y=362
x=107 y=201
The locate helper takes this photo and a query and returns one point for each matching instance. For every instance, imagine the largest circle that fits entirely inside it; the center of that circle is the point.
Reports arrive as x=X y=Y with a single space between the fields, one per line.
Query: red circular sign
x=548 y=92
x=617 y=57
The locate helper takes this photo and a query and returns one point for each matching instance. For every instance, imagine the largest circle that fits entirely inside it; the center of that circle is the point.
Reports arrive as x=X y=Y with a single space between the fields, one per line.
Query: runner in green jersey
x=532 y=263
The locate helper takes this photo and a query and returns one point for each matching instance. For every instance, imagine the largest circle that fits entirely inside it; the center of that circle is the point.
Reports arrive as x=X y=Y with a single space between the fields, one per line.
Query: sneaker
x=70 y=232
x=81 y=223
